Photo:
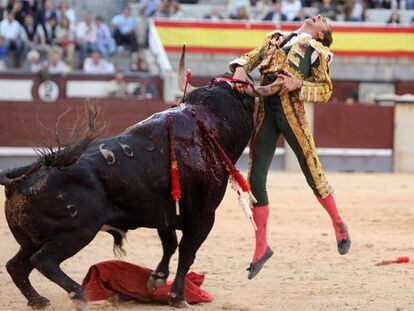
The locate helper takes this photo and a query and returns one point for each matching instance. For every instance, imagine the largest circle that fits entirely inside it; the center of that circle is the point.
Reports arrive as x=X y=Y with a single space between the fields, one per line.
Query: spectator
x=96 y=65
x=32 y=6
x=241 y=14
x=148 y=7
x=383 y=4
x=19 y=10
x=46 y=12
x=32 y=63
x=125 y=25
x=162 y=10
x=118 y=87
x=262 y=8
x=354 y=10
x=32 y=33
x=175 y=11
x=233 y=8
x=66 y=10
x=3 y=55
x=394 y=18
x=351 y=97
x=65 y=38
x=291 y=8
x=54 y=64
x=10 y=30
x=138 y=62
x=301 y=16
x=146 y=90
x=86 y=37
x=328 y=10
x=215 y=14
x=50 y=30
x=104 y=41
x=276 y=14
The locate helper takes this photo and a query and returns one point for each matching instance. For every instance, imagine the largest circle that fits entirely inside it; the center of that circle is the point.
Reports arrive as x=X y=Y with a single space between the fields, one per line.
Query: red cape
x=119 y=277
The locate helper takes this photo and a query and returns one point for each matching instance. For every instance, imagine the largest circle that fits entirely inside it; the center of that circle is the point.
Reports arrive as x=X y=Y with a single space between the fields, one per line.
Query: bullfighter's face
x=319 y=28
x=317 y=24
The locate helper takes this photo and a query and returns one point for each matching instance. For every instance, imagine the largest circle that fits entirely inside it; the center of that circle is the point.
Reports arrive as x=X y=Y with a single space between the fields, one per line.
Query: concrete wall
x=404 y=138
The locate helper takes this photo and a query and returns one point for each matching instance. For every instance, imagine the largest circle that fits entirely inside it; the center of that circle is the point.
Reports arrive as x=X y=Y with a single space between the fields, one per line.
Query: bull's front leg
x=159 y=277
x=191 y=241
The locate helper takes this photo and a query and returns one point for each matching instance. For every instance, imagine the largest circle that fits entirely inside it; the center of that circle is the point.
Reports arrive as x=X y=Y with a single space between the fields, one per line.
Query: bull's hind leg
x=19 y=268
x=193 y=237
x=169 y=245
x=50 y=256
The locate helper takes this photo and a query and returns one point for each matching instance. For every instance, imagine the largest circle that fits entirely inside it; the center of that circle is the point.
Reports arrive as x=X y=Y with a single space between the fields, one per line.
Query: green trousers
x=263 y=146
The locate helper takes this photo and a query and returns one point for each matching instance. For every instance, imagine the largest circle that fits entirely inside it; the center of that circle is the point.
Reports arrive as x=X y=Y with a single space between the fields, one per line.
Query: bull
x=56 y=206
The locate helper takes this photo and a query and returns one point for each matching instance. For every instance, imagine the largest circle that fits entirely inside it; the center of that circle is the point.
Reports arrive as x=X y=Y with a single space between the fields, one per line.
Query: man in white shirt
x=105 y=43
x=54 y=64
x=291 y=8
x=11 y=31
x=96 y=65
x=86 y=37
x=125 y=25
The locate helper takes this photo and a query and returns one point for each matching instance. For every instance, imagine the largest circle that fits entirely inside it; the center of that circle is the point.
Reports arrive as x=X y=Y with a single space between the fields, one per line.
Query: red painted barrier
x=353 y=126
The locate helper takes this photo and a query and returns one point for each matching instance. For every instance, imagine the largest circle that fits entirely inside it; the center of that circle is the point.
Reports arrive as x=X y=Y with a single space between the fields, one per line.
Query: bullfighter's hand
x=288 y=84
x=240 y=74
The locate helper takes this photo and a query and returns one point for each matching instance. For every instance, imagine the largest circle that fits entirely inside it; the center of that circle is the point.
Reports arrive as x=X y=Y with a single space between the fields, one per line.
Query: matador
x=299 y=63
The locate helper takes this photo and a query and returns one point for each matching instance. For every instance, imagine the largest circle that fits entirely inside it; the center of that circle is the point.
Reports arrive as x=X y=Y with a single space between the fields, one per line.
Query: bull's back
x=138 y=181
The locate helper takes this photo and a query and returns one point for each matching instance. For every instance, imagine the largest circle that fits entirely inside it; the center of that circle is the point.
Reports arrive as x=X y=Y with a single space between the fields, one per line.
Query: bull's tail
x=119 y=238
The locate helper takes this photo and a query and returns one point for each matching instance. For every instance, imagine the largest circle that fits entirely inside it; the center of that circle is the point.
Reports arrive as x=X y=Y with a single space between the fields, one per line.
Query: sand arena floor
x=306 y=272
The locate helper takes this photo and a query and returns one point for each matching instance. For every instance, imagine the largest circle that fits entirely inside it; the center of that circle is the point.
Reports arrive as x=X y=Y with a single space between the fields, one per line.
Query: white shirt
x=291 y=9
x=10 y=31
x=60 y=67
x=300 y=36
x=103 y=67
x=85 y=33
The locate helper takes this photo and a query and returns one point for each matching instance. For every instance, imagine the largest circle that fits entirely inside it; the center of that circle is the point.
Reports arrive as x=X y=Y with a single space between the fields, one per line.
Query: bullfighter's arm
x=252 y=59
x=312 y=57
x=319 y=88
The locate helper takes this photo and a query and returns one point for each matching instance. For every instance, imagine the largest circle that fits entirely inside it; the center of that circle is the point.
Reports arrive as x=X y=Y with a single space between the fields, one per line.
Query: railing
x=157 y=49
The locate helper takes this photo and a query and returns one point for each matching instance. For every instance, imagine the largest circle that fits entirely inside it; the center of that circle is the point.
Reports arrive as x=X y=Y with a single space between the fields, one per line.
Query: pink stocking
x=260 y=215
x=329 y=204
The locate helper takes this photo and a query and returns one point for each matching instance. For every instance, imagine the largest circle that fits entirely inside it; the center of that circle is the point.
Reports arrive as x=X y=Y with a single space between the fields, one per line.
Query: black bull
x=55 y=211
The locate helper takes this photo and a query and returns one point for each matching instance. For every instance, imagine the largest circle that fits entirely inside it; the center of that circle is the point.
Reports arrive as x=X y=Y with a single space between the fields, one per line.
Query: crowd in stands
x=39 y=35
x=280 y=10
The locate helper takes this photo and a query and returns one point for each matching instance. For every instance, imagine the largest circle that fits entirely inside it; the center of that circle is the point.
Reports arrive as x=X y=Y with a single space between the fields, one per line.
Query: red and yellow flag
x=237 y=38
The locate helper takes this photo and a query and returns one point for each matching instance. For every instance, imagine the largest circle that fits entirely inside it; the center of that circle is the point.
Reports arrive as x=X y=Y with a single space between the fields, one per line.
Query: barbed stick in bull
x=237 y=180
x=175 y=173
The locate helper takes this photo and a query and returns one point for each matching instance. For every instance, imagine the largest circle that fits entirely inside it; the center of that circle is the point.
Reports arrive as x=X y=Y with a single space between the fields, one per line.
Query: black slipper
x=255 y=268
x=345 y=244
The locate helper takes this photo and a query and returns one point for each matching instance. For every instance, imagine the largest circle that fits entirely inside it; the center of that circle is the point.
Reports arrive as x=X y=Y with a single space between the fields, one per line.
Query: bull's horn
x=4 y=180
x=9 y=176
x=182 y=74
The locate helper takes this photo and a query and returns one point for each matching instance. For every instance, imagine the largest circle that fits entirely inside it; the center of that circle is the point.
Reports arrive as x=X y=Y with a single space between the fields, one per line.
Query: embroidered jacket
x=302 y=57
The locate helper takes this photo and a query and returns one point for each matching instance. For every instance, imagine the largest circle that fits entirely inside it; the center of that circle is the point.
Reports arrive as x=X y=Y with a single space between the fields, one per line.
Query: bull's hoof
x=180 y=304
x=156 y=281
x=255 y=268
x=344 y=244
x=39 y=303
